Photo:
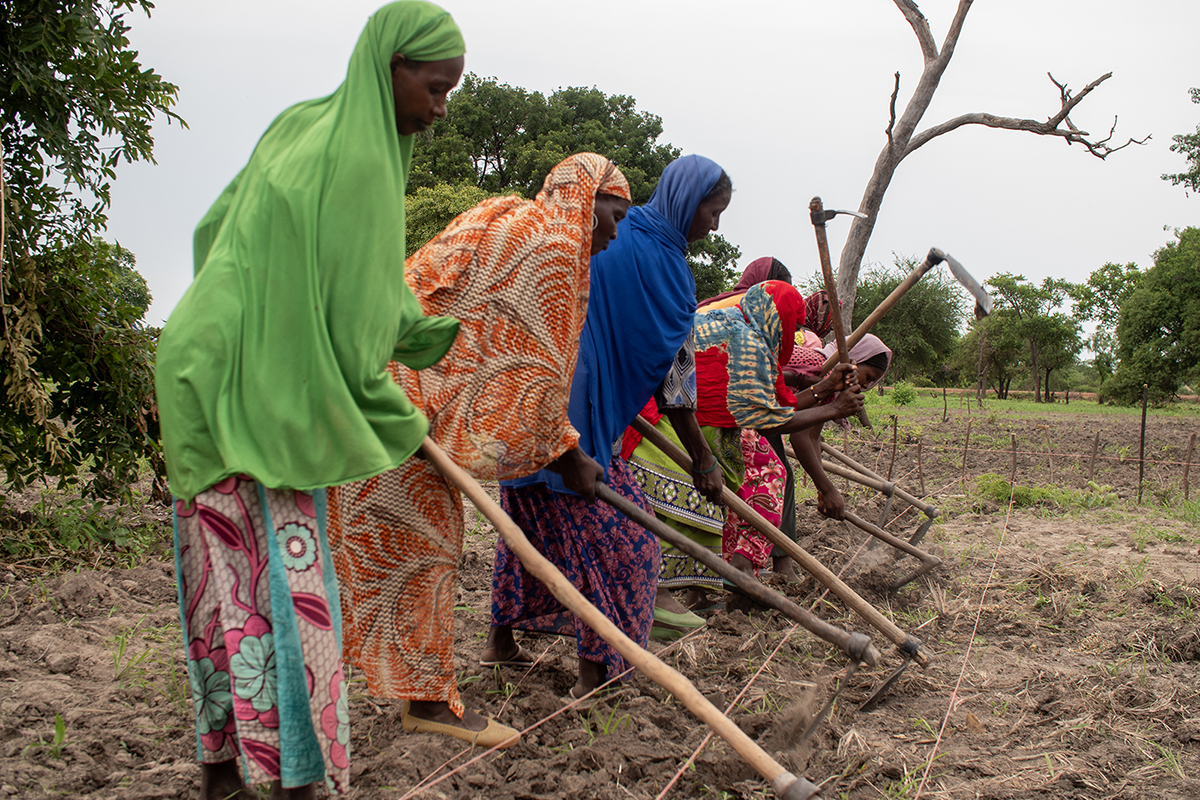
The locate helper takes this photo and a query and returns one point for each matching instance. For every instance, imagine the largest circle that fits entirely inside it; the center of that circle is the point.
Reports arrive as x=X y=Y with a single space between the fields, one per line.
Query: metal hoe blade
x=983 y=301
x=909 y=649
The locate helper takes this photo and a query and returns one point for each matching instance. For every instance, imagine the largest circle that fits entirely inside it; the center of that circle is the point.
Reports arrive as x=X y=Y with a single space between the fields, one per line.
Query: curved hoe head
x=983 y=301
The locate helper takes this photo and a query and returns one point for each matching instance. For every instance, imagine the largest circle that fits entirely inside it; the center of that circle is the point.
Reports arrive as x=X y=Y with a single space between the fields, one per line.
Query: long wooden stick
x=1142 y=443
x=1187 y=465
x=900 y=492
x=817 y=212
x=1092 y=463
x=785 y=784
x=854 y=645
x=931 y=261
x=798 y=554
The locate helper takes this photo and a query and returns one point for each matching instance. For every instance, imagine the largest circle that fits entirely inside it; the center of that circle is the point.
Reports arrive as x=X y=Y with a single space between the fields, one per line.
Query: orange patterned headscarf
x=515 y=273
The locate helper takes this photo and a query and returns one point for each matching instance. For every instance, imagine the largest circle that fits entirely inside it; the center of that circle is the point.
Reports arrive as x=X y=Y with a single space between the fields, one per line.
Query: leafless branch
x=892 y=112
x=1058 y=125
x=960 y=16
x=920 y=27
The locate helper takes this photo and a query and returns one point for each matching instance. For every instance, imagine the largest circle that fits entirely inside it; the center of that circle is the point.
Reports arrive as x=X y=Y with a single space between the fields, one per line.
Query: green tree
x=501 y=139
x=1099 y=299
x=1059 y=348
x=1046 y=331
x=992 y=351
x=1158 y=336
x=429 y=209
x=76 y=104
x=96 y=359
x=714 y=265
x=923 y=327
x=1188 y=144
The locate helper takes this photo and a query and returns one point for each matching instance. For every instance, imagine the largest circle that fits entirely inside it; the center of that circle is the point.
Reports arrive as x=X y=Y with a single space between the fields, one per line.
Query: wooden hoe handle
x=785 y=784
x=801 y=556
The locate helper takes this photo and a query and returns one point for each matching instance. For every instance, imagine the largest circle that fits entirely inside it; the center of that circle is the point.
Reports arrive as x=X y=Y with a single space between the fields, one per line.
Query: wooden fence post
x=1142 y=444
x=892 y=463
x=1187 y=464
x=1092 y=465
x=1013 y=480
x=963 y=477
x=921 y=471
x=945 y=408
x=1050 y=455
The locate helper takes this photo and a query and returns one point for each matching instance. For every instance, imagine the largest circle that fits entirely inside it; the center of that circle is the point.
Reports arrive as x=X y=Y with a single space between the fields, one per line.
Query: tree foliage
x=1188 y=145
x=1099 y=299
x=503 y=138
x=714 y=265
x=1029 y=313
x=429 y=209
x=923 y=327
x=991 y=350
x=1158 y=335
x=97 y=361
x=500 y=139
x=76 y=104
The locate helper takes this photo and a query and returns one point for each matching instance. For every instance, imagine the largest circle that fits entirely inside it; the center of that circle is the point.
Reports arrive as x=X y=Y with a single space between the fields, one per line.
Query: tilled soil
x=1063 y=649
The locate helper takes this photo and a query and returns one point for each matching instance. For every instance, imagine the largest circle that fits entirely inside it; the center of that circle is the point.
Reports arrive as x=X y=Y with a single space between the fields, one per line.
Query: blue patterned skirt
x=611 y=560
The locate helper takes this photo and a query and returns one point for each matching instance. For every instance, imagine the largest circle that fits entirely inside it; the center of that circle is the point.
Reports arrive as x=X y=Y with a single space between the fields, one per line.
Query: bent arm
x=807 y=447
x=806 y=418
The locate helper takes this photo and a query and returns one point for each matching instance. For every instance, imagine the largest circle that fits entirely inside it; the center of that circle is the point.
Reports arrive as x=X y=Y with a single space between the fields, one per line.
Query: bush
x=904 y=393
x=998 y=489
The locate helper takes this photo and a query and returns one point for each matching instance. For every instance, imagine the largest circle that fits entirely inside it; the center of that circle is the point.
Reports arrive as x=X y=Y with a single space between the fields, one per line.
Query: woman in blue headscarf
x=636 y=344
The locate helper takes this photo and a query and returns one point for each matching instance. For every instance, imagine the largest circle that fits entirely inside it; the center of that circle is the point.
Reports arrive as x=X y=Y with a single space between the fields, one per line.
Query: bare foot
x=697 y=600
x=591 y=675
x=440 y=712
x=306 y=792
x=667 y=602
x=784 y=566
x=741 y=562
x=223 y=781
x=500 y=645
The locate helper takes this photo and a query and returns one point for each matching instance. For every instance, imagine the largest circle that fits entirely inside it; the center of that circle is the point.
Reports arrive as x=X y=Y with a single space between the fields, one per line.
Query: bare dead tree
x=903 y=140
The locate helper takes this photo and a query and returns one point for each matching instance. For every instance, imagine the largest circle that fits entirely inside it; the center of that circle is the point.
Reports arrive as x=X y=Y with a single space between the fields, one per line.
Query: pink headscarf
x=869 y=347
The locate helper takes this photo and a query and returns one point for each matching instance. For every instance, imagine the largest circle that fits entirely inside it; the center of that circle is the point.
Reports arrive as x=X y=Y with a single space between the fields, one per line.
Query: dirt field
x=1063 y=644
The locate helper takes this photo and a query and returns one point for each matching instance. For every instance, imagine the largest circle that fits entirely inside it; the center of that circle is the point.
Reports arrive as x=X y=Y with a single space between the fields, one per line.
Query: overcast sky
x=791 y=97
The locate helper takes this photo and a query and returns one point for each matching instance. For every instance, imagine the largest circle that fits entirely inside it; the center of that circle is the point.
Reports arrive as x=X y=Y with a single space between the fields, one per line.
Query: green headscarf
x=274 y=363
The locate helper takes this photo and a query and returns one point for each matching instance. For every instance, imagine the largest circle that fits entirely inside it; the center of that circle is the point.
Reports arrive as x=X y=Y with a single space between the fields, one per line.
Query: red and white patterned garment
x=763 y=490
x=257 y=665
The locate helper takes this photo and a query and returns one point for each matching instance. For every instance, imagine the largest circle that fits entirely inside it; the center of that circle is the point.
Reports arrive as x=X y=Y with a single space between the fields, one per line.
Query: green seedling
x=54 y=747
x=596 y=723
x=1170 y=762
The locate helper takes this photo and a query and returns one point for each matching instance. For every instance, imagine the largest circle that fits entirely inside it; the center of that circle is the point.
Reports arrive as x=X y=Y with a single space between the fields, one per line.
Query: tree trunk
x=903 y=140
x=900 y=133
x=1037 y=373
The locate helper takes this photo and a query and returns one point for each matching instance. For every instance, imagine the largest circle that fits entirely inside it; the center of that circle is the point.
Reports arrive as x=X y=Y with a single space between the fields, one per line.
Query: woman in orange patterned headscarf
x=515 y=273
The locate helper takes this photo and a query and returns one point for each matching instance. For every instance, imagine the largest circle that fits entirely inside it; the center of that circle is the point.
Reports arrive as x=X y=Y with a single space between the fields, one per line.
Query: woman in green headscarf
x=272 y=384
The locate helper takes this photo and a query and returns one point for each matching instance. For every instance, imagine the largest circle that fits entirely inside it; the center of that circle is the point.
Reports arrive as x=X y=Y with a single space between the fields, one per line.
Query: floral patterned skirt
x=610 y=559
x=262 y=628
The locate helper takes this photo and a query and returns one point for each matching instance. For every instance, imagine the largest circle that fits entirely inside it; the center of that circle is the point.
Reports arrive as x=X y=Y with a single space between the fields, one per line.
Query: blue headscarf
x=640 y=311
